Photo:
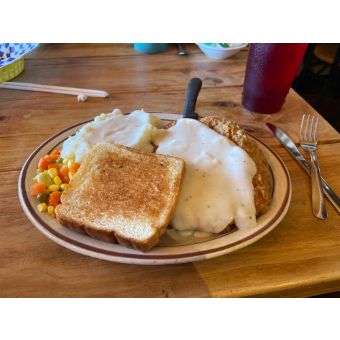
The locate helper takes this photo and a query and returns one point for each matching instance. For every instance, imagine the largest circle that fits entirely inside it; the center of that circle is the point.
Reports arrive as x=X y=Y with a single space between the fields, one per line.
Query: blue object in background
x=10 y=52
x=150 y=48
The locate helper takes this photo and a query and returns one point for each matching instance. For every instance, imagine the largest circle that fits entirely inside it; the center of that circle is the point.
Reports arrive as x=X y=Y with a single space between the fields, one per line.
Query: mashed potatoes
x=135 y=130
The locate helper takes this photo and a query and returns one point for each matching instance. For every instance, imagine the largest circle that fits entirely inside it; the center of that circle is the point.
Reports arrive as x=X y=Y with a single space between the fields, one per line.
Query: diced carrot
x=55 y=154
x=54 y=165
x=63 y=171
x=52 y=202
x=74 y=167
x=55 y=194
x=54 y=198
x=43 y=163
x=63 y=174
x=48 y=158
x=37 y=188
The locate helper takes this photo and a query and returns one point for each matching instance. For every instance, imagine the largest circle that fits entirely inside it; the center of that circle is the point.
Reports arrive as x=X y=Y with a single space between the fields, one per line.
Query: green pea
x=60 y=160
x=42 y=197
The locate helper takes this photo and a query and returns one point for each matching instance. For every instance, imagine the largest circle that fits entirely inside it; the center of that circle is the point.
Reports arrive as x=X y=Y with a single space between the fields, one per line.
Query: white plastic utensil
x=81 y=94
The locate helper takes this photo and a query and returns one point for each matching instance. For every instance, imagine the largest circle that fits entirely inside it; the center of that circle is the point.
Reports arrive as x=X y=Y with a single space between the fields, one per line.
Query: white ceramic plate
x=174 y=249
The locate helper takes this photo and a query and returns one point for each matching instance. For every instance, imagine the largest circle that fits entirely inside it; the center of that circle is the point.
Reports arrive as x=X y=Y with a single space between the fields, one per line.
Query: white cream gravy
x=217 y=186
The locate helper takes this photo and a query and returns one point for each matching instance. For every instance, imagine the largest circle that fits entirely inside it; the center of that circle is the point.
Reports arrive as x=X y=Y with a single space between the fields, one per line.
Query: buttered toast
x=122 y=195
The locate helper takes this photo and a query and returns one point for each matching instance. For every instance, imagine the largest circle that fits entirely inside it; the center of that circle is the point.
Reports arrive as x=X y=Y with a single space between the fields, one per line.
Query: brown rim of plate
x=147 y=256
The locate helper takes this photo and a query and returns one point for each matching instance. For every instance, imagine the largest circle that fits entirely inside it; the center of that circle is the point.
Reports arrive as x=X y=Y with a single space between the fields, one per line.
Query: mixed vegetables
x=52 y=178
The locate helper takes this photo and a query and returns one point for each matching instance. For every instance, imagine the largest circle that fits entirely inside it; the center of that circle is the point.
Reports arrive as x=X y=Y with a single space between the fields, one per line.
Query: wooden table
x=300 y=257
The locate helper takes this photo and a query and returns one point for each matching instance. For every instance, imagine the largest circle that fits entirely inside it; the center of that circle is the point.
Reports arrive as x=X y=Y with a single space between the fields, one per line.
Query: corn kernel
x=42 y=207
x=57 y=180
x=70 y=163
x=50 y=210
x=53 y=172
x=64 y=186
x=70 y=157
x=53 y=187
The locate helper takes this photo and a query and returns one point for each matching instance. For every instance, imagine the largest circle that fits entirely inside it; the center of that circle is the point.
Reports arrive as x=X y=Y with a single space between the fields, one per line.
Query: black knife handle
x=193 y=90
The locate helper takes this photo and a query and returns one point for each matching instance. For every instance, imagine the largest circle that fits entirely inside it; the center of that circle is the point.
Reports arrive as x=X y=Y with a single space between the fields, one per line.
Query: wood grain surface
x=300 y=257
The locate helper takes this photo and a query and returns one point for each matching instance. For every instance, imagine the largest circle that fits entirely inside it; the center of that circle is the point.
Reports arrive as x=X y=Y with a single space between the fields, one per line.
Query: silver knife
x=293 y=150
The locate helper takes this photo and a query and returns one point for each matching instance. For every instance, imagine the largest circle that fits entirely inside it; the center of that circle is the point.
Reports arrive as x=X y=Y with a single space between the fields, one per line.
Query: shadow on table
x=330 y=295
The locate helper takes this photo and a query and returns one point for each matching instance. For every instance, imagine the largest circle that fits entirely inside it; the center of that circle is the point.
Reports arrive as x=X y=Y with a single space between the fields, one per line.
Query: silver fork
x=308 y=141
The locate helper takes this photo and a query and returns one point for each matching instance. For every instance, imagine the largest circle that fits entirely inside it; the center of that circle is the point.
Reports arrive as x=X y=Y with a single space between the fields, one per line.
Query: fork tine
x=315 y=132
x=302 y=127
x=309 y=128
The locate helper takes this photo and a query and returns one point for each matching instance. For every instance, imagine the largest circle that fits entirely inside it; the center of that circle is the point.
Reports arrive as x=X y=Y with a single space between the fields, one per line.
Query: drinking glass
x=270 y=71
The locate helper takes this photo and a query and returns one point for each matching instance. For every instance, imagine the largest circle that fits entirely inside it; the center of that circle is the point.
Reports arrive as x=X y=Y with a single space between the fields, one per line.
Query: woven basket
x=11 y=70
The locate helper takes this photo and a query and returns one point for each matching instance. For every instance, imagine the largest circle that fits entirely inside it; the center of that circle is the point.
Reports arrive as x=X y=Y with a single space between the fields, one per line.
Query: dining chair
x=322 y=63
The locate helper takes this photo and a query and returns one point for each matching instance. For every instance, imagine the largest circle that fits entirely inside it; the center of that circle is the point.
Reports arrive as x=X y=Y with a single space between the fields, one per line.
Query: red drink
x=270 y=71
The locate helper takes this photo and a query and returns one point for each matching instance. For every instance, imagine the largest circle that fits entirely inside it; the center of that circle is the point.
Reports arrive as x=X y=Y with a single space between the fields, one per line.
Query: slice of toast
x=122 y=194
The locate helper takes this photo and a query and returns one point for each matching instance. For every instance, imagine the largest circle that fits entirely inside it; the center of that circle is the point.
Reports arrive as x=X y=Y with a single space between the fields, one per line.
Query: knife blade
x=294 y=151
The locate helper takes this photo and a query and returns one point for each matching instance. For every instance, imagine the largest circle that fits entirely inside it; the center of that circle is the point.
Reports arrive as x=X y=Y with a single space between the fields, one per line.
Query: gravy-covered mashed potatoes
x=217 y=186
